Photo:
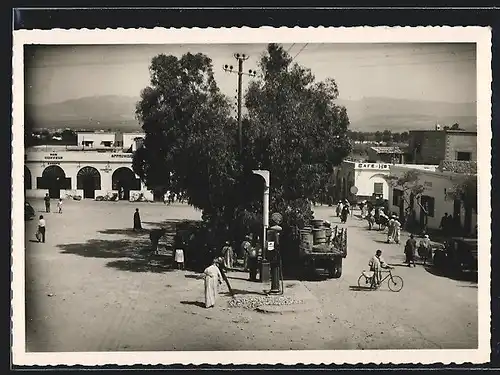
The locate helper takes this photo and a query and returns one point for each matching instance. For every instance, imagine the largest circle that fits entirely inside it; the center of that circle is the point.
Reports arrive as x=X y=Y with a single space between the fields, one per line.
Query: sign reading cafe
x=373 y=165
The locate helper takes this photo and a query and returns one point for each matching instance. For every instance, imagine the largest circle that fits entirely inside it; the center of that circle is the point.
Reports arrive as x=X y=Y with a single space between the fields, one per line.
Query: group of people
x=423 y=248
x=215 y=273
x=47 y=204
x=250 y=252
x=393 y=230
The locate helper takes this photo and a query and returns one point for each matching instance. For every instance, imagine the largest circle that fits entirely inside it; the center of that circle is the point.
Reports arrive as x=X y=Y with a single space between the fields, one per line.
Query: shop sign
x=124 y=156
x=53 y=156
x=373 y=166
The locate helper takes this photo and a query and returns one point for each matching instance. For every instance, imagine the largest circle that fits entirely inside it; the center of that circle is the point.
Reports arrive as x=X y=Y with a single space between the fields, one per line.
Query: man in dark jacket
x=410 y=248
x=137 y=220
x=47 y=202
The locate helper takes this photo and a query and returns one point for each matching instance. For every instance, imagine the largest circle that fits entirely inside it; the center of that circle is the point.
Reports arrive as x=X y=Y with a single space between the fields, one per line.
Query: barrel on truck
x=322 y=249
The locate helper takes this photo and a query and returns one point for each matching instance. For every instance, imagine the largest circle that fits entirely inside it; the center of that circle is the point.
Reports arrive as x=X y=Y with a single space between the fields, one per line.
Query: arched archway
x=123 y=180
x=27 y=179
x=88 y=179
x=54 y=179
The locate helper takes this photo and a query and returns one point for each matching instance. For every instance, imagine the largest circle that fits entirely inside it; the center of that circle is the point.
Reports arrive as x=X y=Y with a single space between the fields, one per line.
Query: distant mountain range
x=368 y=114
x=372 y=114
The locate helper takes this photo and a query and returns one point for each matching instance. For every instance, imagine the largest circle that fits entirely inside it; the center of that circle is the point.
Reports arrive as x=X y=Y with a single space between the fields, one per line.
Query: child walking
x=59 y=205
x=179 y=258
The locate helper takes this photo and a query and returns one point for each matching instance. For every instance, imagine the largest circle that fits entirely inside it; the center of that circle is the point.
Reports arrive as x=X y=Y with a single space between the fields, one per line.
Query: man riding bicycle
x=376 y=264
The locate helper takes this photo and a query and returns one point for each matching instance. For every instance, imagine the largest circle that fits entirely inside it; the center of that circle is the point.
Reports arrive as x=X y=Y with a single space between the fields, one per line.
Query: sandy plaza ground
x=91 y=288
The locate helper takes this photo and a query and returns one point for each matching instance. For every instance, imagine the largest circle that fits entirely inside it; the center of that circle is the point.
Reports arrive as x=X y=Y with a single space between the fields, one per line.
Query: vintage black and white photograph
x=282 y=193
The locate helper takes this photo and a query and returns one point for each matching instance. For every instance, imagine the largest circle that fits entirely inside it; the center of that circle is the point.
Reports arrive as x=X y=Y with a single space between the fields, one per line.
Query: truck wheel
x=337 y=268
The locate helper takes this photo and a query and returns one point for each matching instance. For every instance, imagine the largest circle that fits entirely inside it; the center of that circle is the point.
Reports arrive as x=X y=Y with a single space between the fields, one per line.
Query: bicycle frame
x=389 y=274
x=395 y=283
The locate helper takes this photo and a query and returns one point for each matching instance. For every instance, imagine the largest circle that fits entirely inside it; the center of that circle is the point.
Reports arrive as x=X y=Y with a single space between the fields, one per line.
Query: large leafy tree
x=296 y=130
x=190 y=142
x=292 y=128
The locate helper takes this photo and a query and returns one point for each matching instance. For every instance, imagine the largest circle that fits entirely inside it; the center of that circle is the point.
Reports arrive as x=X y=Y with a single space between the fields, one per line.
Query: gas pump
x=274 y=257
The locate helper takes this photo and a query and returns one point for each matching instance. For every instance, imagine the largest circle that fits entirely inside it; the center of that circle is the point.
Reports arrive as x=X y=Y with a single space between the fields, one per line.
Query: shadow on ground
x=463 y=276
x=141 y=265
x=356 y=288
x=136 y=253
x=169 y=222
x=194 y=303
x=125 y=232
x=192 y=276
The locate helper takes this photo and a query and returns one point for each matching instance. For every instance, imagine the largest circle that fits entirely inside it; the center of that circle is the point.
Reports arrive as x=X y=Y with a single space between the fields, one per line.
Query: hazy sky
x=438 y=72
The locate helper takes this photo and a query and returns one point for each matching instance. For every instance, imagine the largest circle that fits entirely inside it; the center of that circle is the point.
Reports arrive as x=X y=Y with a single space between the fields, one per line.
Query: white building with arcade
x=88 y=170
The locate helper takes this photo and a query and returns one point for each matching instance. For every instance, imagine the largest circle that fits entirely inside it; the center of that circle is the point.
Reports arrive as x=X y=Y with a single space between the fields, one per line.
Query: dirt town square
x=98 y=289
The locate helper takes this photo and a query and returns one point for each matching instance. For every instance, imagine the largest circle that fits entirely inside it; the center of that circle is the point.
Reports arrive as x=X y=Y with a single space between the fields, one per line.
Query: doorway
x=54 y=180
x=88 y=179
x=124 y=181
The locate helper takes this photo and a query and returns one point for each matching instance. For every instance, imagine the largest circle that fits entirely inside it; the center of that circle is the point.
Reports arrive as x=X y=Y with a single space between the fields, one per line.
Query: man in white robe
x=213 y=278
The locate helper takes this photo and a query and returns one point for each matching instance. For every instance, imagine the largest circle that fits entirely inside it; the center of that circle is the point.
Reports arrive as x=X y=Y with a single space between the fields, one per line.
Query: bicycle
x=395 y=283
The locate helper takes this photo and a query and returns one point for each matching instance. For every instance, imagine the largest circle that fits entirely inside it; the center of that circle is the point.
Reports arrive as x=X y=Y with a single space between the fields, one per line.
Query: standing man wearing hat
x=245 y=248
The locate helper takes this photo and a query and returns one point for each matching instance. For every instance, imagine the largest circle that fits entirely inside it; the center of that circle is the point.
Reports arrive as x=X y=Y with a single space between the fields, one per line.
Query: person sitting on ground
x=376 y=265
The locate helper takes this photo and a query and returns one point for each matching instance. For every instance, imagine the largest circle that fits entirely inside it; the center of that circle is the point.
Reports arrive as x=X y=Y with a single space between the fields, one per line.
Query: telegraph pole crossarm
x=251 y=73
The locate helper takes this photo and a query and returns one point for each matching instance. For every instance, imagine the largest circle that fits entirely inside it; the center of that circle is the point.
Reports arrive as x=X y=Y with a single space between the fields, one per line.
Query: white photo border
x=245 y=35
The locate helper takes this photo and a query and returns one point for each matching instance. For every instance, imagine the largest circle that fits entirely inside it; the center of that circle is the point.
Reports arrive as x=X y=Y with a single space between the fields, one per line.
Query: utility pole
x=252 y=73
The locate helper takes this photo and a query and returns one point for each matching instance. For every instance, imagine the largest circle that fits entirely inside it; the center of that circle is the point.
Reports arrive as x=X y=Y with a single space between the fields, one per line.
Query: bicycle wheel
x=395 y=283
x=363 y=281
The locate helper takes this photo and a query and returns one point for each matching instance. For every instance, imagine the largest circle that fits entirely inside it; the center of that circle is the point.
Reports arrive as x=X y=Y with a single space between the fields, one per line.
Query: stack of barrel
x=316 y=237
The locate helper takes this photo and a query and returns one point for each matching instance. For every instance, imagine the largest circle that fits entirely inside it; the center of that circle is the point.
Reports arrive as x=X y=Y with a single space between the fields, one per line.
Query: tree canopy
x=292 y=128
x=465 y=191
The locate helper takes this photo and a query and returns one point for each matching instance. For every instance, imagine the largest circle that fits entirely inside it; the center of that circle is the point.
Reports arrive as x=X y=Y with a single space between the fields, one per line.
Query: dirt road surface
x=91 y=288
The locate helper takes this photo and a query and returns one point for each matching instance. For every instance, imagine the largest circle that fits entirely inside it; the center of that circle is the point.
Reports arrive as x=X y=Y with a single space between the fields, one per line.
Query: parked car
x=457 y=255
x=29 y=211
